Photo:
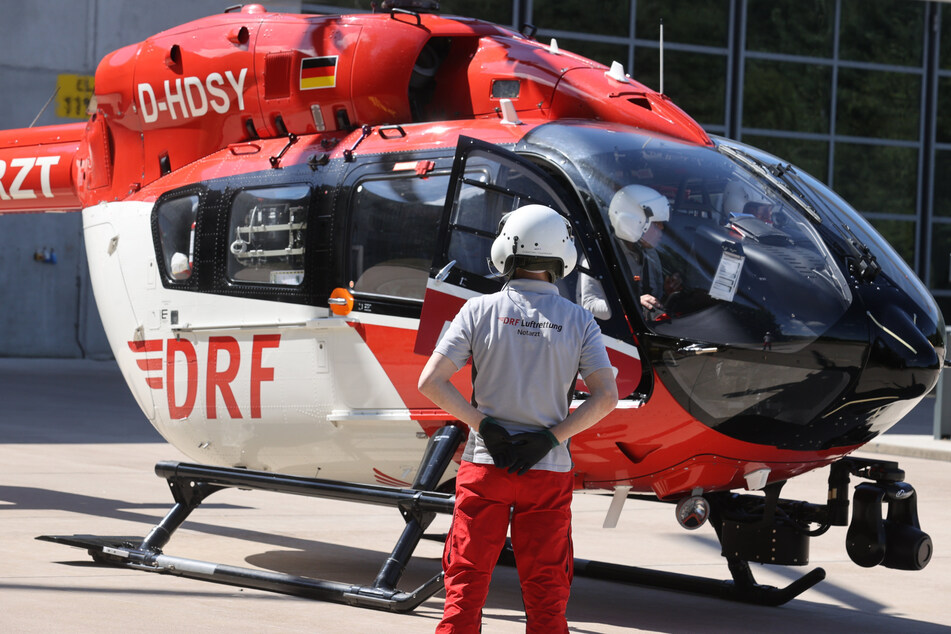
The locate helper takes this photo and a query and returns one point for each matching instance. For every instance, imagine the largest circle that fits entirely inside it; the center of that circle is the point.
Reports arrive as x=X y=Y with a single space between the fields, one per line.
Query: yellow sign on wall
x=73 y=95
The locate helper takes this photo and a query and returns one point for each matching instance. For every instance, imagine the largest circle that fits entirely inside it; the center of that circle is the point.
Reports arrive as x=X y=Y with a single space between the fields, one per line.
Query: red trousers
x=539 y=504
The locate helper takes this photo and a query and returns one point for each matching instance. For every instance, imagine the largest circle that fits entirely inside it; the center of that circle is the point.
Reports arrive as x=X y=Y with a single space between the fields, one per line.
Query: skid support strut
x=191 y=484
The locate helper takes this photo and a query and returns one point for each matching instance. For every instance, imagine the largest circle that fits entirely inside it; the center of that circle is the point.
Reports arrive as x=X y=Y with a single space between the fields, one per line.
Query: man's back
x=527 y=345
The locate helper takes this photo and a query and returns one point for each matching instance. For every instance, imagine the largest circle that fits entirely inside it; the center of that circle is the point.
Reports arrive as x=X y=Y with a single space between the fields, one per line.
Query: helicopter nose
x=897 y=339
x=902 y=360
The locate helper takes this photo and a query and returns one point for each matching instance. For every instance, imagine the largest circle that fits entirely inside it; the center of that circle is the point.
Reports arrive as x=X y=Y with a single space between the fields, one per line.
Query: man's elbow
x=425 y=384
x=606 y=397
x=430 y=383
x=610 y=402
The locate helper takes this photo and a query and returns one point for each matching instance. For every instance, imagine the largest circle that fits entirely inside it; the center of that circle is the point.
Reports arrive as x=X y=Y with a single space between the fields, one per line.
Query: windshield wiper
x=863 y=262
x=790 y=178
x=772 y=174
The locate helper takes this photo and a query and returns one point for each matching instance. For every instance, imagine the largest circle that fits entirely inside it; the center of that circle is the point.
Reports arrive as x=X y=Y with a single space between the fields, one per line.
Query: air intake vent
x=277 y=75
x=643 y=102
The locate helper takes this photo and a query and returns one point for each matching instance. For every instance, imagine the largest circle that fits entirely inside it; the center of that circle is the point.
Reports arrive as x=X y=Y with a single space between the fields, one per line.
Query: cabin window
x=393 y=234
x=176 y=226
x=266 y=235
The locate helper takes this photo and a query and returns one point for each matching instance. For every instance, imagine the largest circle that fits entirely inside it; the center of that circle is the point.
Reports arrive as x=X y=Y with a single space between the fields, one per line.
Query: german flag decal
x=318 y=72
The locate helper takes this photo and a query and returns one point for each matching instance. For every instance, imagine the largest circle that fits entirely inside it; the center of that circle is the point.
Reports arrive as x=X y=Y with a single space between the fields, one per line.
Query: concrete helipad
x=76 y=456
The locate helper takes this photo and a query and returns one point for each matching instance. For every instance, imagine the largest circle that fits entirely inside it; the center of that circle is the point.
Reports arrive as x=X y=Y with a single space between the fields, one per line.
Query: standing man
x=527 y=345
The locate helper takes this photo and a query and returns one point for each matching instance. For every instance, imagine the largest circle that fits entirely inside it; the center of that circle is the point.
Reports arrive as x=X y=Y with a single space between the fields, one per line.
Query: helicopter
x=282 y=212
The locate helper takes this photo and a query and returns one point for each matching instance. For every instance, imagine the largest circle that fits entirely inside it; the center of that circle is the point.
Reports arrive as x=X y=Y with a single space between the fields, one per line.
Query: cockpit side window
x=490 y=189
x=393 y=234
x=266 y=235
x=176 y=227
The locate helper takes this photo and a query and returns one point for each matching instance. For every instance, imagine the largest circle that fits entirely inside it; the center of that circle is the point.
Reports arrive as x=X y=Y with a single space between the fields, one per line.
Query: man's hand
x=530 y=447
x=497 y=441
x=650 y=302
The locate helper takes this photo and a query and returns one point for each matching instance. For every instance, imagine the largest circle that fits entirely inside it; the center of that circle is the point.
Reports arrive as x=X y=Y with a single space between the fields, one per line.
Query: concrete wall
x=46 y=309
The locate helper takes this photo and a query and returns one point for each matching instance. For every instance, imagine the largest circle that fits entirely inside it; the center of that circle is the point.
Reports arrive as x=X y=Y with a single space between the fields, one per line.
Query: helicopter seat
x=397 y=278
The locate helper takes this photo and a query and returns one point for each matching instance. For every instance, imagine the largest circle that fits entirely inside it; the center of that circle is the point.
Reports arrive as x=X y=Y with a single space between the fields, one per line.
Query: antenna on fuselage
x=661 y=56
x=45 y=106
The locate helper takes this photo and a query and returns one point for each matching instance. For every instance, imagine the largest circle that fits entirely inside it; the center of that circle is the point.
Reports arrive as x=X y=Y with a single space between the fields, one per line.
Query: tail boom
x=38 y=170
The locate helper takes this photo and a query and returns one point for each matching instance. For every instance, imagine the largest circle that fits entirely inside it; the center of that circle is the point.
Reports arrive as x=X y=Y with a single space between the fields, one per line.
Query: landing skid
x=742 y=588
x=122 y=552
x=190 y=484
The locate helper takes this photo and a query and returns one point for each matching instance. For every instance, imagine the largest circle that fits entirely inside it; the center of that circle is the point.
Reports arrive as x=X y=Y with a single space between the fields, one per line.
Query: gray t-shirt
x=527 y=345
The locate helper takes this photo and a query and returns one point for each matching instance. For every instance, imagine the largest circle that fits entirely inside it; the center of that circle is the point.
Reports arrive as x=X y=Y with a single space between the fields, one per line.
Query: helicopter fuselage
x=281 y=212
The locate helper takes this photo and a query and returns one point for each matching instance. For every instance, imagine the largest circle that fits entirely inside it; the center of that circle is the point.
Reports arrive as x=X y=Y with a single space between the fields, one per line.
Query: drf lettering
x=222 y=363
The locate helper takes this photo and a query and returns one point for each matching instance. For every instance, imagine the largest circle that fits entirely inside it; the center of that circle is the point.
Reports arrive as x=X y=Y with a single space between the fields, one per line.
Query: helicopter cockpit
x=752 y=290
x=732 y=261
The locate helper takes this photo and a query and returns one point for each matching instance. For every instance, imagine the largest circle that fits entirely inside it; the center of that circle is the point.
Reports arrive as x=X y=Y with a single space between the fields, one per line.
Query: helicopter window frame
x=494 y=182
x=262 y=246
x=178 y=236
x=501 y=178
x=402 y=278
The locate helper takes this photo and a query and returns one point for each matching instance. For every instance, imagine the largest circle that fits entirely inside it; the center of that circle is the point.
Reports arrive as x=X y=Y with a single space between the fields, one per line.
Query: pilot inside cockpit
x=638 y=215
x=742 y=201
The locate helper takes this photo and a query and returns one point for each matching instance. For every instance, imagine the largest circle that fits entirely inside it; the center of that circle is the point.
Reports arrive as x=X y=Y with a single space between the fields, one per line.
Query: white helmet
x=179 y=267
x=534 y=232
x=633 y=208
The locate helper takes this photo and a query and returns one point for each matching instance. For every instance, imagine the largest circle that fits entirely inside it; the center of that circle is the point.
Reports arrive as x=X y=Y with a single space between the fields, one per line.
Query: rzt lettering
x=222 y=364
x=12 y=179
x=190 y=97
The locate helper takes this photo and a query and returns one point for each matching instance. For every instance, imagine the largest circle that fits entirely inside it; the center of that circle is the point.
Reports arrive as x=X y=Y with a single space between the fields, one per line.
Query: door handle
x=444 y=271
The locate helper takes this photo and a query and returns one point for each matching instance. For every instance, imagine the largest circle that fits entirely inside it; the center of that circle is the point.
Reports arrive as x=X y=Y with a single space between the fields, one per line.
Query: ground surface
x=76 y=456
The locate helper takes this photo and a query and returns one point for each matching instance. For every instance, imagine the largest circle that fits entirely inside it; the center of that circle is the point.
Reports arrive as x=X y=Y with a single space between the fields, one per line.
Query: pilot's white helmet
x=633 y=208
x=534 y=235
x=179 y=267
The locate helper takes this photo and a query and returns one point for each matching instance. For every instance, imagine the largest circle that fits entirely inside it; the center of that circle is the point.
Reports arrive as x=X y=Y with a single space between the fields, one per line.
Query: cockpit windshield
x=708 y=246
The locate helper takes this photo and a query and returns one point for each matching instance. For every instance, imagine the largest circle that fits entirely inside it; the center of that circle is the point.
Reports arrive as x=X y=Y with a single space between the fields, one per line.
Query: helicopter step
x=191 y=484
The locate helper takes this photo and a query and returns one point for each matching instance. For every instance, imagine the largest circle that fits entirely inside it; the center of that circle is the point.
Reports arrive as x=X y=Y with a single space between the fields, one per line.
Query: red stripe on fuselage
x=149 y=365
x=393 y=348
x=148 y=345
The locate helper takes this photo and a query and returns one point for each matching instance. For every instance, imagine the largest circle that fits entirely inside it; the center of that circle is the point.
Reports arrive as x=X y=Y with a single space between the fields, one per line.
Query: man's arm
x=603 y=399
x=593 y=298
x=530 y=447
x=434 y=384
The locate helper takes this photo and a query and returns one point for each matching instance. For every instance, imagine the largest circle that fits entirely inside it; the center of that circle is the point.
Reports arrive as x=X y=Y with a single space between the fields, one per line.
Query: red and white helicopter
x=281 y=212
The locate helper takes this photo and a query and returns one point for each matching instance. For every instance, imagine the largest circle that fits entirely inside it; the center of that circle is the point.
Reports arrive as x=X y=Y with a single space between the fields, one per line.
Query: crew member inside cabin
x=638 y=215
x=527 y=344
